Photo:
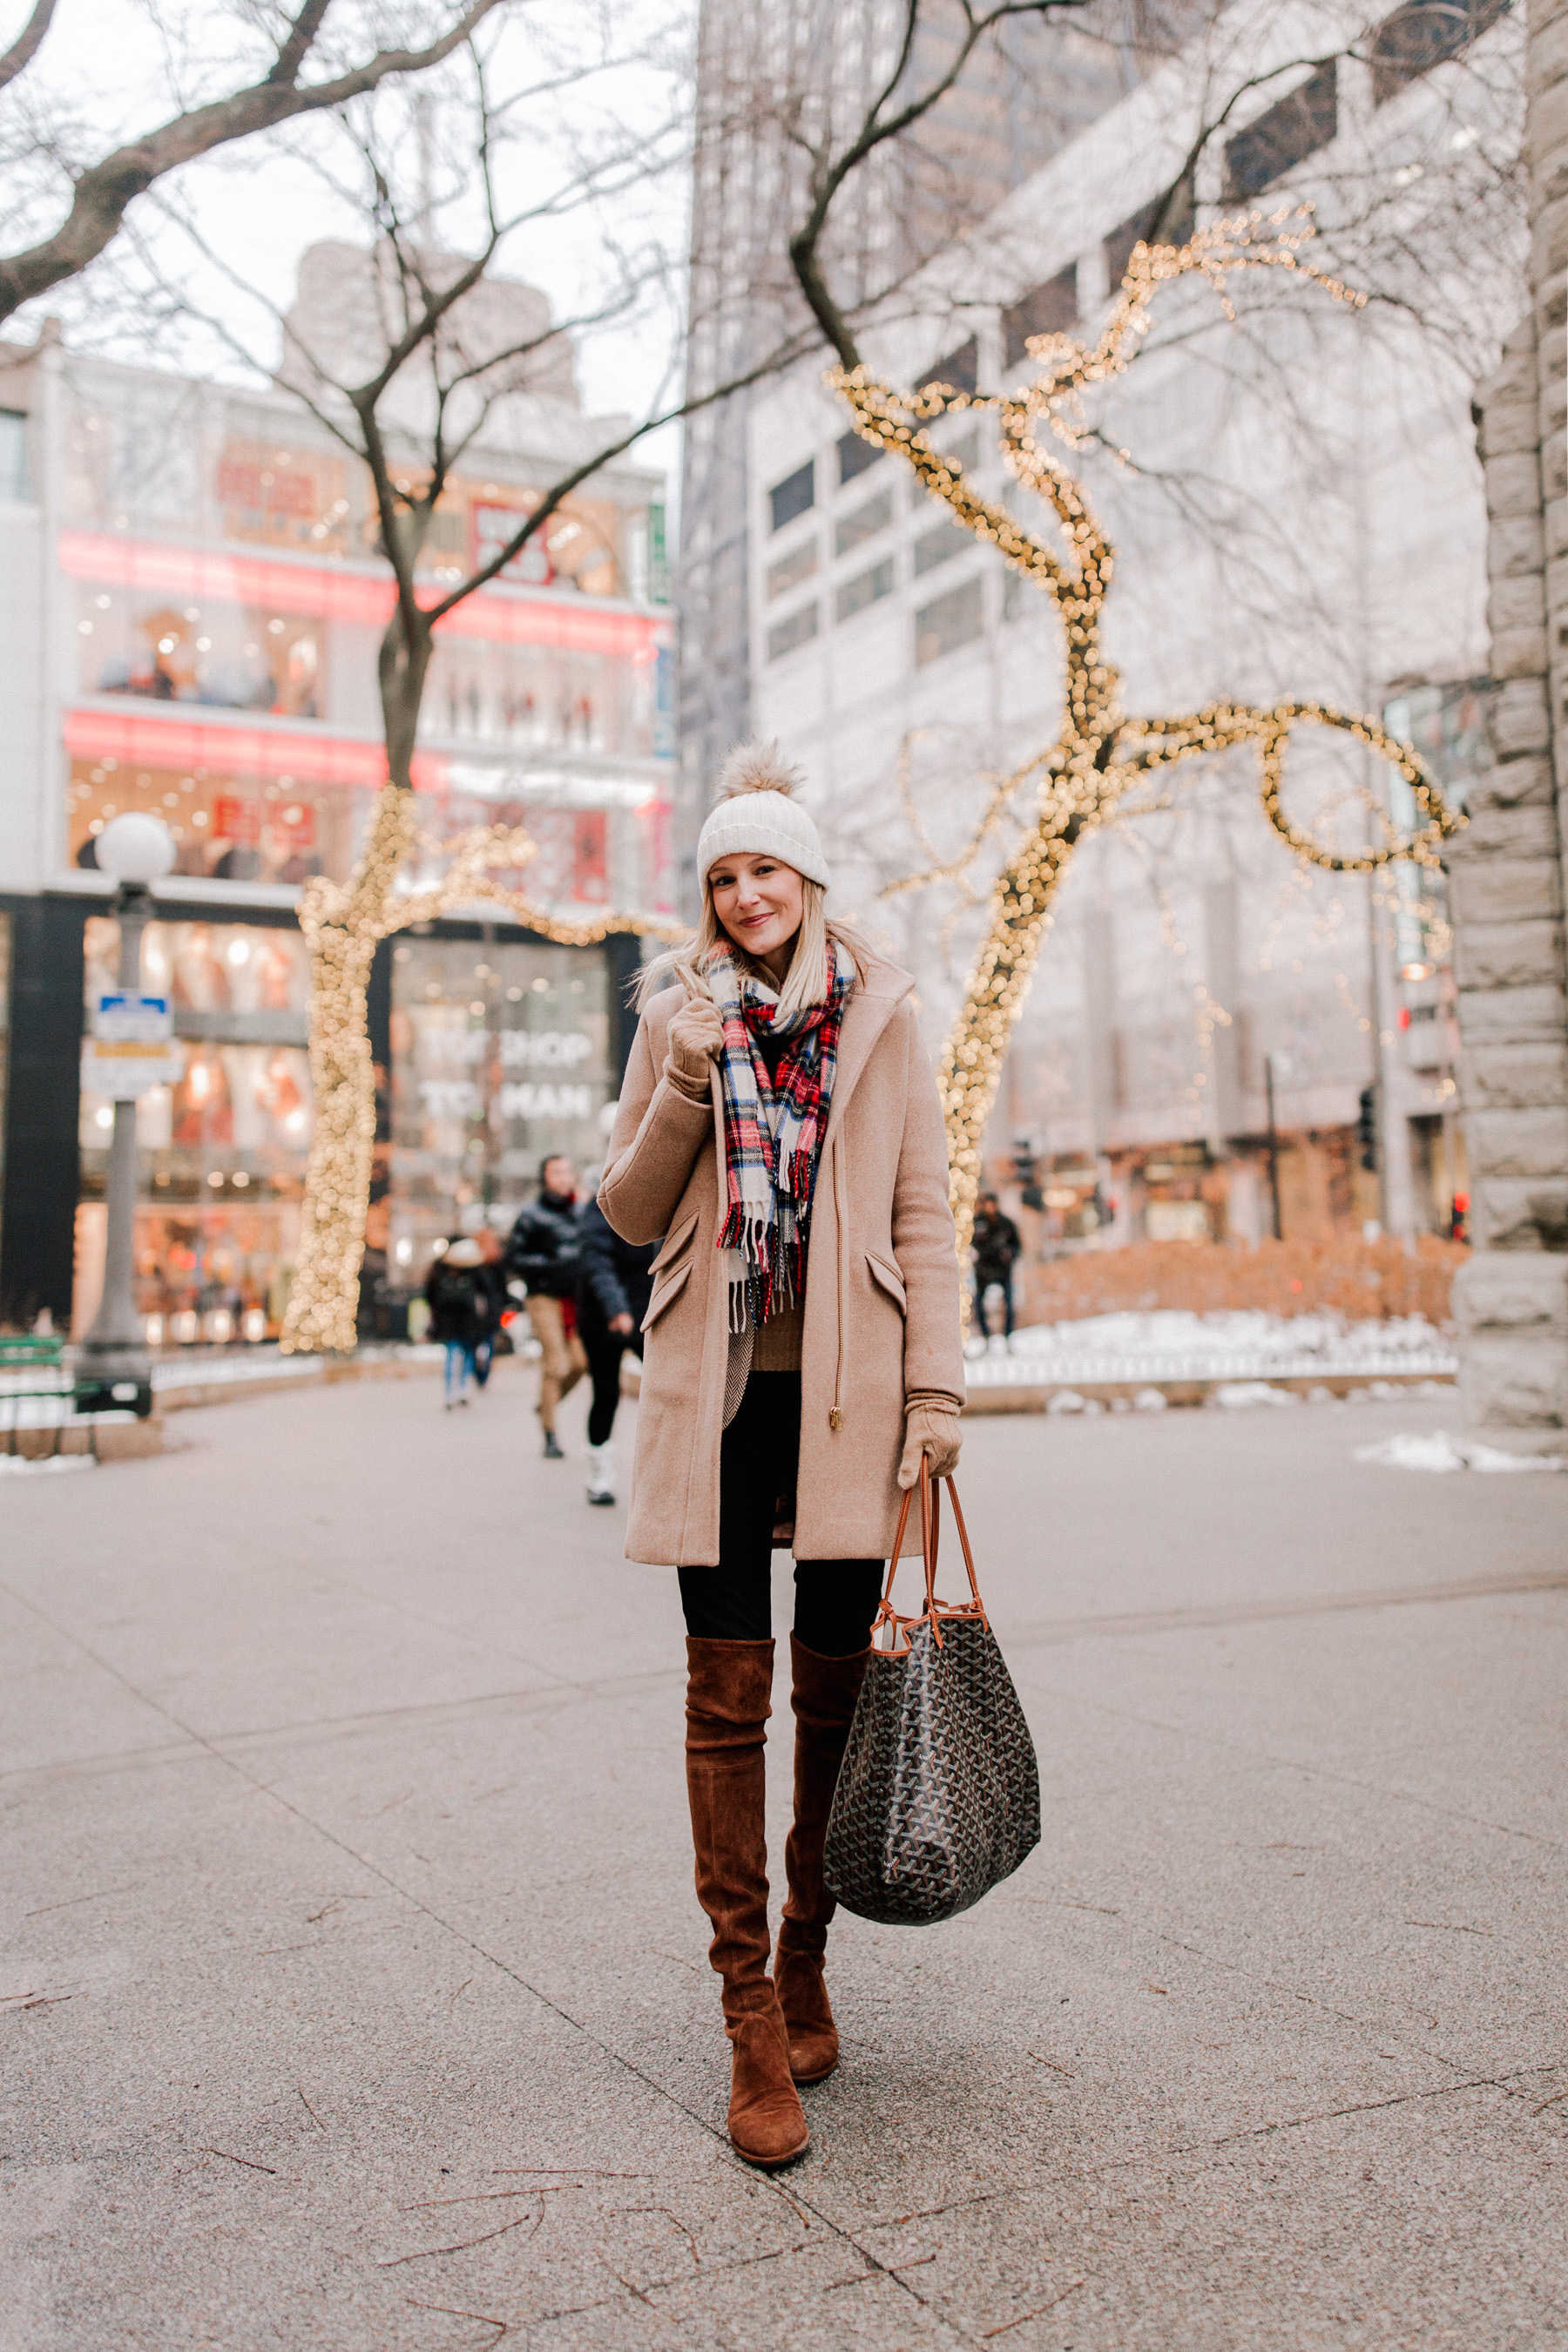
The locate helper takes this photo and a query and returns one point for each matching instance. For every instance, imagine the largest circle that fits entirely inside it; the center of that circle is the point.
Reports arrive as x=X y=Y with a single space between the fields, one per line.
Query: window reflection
x=225 y=656
x=224 y=1151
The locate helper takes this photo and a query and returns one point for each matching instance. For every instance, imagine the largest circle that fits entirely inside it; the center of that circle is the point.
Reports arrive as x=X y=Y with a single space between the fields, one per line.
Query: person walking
x=780 y=1127
x=492 y=1300
x=995 y=1248
x=543 y=1251
x=456 y=1295
x=613 y=1288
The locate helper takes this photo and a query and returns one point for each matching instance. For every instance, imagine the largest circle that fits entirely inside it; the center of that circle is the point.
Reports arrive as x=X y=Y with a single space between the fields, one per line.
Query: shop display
x=499 y=1055
x=224 y=1147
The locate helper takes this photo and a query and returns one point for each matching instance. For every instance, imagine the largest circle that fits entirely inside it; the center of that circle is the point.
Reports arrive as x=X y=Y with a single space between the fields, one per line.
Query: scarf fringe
x=768 y=1287
x=773 y=1135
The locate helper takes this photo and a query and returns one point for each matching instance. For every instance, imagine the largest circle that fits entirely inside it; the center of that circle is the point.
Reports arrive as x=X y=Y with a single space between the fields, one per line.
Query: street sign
x=123 y=1016
x=132 y=1049
x=124 y=1072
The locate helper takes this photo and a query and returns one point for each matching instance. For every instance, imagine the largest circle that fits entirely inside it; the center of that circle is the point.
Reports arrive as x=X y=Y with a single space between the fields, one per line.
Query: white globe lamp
x=135 y=849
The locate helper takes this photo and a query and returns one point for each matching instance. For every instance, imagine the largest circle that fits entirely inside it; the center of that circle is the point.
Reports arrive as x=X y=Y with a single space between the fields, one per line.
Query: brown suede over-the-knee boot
x=823 y=1696
x=727 y=1708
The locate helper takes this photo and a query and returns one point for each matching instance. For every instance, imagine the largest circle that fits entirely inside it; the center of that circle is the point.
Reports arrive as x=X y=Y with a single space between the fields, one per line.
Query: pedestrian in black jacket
x=613 y=1288
x=458 y=1294
x=543 y=1251
x=491 y=1282
x=996 y=1246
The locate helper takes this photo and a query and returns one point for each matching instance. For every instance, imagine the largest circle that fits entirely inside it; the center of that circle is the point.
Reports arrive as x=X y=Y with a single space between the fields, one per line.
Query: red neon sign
x=498 y=615
x=140 y=738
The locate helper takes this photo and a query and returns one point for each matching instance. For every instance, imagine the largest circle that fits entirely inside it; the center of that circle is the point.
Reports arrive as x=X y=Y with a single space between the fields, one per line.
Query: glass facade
x=223 y=1152
x=225 y=595
x=228 y=598
x=499 y=1054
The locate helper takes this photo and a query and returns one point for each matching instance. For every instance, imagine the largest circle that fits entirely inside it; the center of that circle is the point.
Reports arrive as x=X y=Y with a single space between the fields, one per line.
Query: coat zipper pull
x=836 y=1419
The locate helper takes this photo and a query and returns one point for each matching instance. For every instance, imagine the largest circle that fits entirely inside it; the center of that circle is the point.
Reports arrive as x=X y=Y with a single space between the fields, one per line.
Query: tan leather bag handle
x=935 y=1612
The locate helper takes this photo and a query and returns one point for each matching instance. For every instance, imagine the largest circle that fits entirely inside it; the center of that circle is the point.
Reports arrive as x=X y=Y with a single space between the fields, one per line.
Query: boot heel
x=767 y=2122
x=809 y=2017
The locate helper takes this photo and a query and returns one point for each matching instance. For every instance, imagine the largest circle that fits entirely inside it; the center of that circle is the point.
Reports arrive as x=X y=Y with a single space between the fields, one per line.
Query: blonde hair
x=805 y=982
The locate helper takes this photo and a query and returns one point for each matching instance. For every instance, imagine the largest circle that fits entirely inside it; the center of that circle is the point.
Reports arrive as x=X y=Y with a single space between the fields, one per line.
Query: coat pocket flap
x=885 y=1272
x=674 y=1243
x=663 y=1292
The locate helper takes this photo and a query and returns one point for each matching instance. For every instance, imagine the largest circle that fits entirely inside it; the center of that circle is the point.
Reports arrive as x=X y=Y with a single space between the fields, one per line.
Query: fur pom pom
x=757 y=768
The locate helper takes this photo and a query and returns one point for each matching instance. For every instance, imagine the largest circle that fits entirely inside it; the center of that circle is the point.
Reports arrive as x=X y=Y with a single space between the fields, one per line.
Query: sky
x=569 y=85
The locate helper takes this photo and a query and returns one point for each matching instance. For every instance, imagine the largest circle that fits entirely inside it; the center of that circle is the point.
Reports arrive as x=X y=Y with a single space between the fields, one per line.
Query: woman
x=457 y=1298
x=780 y=1127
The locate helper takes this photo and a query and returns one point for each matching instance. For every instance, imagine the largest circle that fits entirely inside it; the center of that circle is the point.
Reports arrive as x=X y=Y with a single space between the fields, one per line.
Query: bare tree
x=1423 y=217
x=336 y=45
x=447 y=360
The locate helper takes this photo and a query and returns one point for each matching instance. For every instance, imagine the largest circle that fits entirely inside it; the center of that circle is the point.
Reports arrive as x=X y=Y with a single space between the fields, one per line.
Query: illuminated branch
x=1098 y=751
x=344 y=924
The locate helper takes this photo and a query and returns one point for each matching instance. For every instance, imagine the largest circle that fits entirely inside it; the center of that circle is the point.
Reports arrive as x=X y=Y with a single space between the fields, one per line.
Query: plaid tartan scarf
x=773 y=1132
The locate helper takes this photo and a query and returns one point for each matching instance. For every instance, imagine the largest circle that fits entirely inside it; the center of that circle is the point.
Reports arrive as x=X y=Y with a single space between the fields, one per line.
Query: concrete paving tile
x=413 y=1920
x=60 y=1701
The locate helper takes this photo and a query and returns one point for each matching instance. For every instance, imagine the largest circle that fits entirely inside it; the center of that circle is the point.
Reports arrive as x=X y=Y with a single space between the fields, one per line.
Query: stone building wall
x=1511 y=1300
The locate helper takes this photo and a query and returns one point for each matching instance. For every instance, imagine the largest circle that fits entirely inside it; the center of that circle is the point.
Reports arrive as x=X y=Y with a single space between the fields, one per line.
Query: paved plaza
x=356 y=1995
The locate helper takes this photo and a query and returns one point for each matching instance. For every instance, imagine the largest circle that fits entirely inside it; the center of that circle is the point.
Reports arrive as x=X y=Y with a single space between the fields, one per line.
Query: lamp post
x=135 y=850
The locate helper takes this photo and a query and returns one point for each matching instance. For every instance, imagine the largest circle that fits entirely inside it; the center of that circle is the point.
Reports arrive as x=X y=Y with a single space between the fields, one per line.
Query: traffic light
x=1366 y=1127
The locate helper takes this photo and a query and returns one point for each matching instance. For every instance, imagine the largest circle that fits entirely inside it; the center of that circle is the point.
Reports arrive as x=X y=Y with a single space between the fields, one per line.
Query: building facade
x=196 y=601
x=1297 y=511
x=760 y=69
x=1511 y=1299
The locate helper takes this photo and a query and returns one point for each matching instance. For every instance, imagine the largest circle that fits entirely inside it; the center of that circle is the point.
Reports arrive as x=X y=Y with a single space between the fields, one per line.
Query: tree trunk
x=337 y=1186
x=342 y=929
x=970 y=1071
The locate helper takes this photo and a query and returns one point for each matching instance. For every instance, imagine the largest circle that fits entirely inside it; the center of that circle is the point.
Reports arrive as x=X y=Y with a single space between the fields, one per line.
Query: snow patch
x=1246 y=1392
x=1171 y=1344
x=1442 y=1453
x=1069 y=1401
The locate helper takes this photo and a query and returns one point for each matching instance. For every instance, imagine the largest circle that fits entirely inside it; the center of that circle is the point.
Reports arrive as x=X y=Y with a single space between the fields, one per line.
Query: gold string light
x=1099 y=751
x=342 y=926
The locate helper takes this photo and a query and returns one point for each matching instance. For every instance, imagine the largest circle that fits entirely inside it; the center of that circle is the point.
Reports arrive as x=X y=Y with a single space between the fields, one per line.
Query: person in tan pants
x=565 y=1361
x=543 y=1250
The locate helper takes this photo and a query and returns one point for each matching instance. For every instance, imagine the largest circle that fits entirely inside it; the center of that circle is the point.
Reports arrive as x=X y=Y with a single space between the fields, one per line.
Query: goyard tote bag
x=938 y=1793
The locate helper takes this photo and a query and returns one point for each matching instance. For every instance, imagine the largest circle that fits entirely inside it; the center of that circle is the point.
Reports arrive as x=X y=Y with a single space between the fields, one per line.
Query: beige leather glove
x=695 y=1035
x=932 y=1425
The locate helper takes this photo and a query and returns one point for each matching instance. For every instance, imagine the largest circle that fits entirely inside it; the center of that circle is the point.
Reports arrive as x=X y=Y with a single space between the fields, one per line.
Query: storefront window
x=537 y=697
x=224 y=1151
x=283 y=494
x=499 y=1055
x=223 y=655
x=234 y=828
x=612 y=851
x=576 y=547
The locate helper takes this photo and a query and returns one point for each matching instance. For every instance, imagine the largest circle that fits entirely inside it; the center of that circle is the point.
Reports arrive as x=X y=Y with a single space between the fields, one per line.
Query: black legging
x=604 y=1349
x=835 y=1599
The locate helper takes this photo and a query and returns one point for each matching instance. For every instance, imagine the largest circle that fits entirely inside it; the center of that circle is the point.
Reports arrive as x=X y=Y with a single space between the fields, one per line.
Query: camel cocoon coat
x=881 y=1292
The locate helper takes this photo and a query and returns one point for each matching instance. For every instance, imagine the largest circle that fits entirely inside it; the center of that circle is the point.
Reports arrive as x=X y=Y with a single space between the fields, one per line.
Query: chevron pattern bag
x=938 y=1793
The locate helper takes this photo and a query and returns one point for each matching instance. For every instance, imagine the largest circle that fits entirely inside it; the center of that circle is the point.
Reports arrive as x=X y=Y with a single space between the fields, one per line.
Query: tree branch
x=27 y=43
x=827 y=177
x=303 y=33
x=105 y=191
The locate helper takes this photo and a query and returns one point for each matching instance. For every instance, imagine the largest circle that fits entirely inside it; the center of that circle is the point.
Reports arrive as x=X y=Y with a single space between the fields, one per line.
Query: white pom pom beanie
x=758 y=816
